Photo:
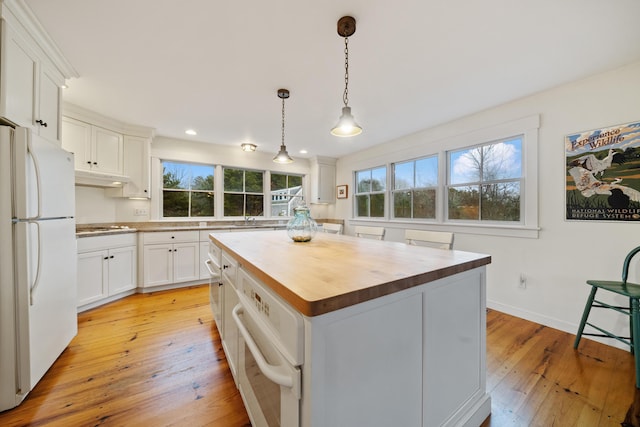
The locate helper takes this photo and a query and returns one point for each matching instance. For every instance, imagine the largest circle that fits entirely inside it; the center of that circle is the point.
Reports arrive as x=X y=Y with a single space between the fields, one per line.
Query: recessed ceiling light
x=190 y=132
x=303 y=151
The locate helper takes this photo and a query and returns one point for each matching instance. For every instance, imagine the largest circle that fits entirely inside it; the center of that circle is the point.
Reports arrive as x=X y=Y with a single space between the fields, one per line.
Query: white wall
x=565 y=254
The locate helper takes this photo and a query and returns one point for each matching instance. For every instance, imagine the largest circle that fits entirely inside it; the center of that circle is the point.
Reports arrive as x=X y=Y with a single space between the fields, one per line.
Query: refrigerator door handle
x=36 y=281
x=36 y=168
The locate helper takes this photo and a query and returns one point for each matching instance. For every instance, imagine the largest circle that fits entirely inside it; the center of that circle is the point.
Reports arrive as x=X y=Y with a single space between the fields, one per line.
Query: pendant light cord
x=345 y=96
x=282 y=122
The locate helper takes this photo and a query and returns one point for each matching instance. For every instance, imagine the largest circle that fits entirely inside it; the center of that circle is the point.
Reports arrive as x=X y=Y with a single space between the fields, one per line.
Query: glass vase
x=301 y=228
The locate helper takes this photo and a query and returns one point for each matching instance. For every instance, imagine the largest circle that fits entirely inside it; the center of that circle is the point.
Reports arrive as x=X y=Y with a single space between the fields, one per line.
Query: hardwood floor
x=156 y=360
x=536 y=378
x=146 y=360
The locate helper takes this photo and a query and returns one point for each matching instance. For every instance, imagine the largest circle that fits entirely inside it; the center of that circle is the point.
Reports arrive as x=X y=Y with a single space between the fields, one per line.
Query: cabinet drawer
x=214 y=253
x=170 y=237
x=229 y=268
x=93 y=243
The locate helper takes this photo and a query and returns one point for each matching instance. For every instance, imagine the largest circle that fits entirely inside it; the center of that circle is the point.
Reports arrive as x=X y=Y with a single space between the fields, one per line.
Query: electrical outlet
x=140 y=212
x=523 y=281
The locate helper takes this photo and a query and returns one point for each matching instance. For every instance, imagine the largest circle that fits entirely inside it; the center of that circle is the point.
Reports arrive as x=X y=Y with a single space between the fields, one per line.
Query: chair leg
x=585 y=316
x=635 y=335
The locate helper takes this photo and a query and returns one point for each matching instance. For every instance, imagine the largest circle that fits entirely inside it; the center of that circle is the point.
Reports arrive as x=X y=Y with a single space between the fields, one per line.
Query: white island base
x=360 y=332
x=412 y=358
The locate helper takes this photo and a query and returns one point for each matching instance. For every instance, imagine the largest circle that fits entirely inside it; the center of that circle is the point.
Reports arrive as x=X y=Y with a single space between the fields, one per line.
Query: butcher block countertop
x=337 y=271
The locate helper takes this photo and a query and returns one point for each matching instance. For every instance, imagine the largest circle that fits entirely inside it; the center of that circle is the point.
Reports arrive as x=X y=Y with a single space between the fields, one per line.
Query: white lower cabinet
x=170 y=257
x=229 y=269
x=106 y=268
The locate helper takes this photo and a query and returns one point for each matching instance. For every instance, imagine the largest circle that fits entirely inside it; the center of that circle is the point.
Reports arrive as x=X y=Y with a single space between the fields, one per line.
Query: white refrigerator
x=38 y=314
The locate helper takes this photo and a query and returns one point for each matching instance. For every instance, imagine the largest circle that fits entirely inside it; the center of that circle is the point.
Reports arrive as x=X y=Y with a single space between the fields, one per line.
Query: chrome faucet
x=248 y=220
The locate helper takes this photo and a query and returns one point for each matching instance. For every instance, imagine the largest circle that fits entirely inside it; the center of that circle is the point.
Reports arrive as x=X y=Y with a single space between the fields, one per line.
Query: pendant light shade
x=283 y=156
x=346 y=125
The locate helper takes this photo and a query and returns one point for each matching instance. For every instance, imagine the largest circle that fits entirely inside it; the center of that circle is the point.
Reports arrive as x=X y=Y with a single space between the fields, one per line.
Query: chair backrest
x=434 y=239
x=369 y=232
x=329 y=227
x=627 y=261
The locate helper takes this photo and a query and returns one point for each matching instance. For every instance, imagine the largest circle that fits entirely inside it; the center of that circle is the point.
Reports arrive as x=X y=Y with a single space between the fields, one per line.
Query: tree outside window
x=370 y=192
x=243 y=192
x=286 y=193
x=187 y=190
x=414 y=188
x=485 y=182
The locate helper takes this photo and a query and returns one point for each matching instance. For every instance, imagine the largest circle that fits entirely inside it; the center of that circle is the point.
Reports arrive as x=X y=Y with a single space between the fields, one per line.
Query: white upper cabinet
x=105 y=147
x=30 y=77
x=95 y=149
x=107 y=151
x=136 y=167
x=48 y=116
x=323 y=180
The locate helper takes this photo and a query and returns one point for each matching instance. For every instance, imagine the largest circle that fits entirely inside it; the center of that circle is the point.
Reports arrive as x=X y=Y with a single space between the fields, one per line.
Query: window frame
x=299 y=197
x=453 y=138
x=384 y=192
x=393 y=190
x=244 y=192
x=481 y=181
x=189 y=191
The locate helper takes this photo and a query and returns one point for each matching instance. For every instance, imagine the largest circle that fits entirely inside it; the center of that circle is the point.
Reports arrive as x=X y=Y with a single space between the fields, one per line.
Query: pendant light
x=283 y=156
x=346 y=125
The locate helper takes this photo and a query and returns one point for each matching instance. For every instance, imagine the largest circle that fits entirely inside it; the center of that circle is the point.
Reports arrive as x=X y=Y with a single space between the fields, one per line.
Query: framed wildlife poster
x=603 y=174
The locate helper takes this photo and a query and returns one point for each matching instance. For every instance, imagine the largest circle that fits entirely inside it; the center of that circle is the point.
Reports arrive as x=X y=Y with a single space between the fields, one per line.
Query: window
x=187 y=189
x=415 y=185
x=371 y=185
x=485 y=182
x=286 y=193
x=243 y=192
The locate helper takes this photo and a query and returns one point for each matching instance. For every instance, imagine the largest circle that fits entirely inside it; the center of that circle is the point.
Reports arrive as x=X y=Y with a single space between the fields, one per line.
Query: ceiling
x=216 y=66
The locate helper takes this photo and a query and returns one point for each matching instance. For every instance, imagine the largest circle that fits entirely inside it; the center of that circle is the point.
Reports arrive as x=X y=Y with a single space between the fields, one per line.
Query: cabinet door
x=158 y=265
x=48 y=113
x=326 y=184
x=92 y=276
x=136 y=166
x=122 y=269
x=230 y=331
x=204 y=256
x=107 y=151
x=76 y=138
x=19 y=76
x=186 y=261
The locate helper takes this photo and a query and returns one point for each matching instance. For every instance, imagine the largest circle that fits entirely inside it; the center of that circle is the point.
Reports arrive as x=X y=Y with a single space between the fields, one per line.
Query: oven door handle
x=278 y=374
x=213 y=274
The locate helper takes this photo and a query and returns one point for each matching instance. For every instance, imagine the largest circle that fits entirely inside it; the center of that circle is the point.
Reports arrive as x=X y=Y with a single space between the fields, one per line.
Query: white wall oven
x=271 y=353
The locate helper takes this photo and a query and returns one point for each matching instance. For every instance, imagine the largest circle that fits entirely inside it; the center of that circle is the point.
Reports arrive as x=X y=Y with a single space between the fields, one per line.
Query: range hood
x=102 y=180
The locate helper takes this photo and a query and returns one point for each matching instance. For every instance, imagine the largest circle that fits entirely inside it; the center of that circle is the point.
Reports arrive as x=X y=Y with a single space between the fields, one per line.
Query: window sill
x=519 y=231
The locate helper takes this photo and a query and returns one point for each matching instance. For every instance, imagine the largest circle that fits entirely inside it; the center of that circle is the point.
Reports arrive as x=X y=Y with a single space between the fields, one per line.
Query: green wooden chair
x=630 y=290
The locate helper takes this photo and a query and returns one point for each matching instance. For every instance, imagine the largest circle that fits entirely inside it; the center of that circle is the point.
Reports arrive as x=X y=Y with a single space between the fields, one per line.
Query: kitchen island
x=389 y=334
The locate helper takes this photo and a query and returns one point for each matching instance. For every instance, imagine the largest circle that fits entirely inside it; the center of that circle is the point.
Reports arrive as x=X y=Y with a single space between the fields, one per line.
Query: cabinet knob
x=106 y=257
x=95 y=163
x=224 y=267
x=89 y=162
x=173 y=237
x=41 y=123
x=111 y=257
